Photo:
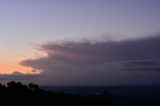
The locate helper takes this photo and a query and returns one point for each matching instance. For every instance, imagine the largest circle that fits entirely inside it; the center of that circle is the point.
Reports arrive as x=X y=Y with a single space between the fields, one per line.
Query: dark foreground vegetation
x=15 y=93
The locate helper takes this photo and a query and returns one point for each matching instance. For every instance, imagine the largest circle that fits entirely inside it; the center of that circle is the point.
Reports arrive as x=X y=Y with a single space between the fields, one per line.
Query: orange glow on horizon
x=10 y=68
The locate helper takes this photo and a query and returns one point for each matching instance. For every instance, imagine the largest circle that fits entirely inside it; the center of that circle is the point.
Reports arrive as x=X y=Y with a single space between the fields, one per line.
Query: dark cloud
x=18 y=76
x=143 y=65
x=143 y=69
x=68 y=61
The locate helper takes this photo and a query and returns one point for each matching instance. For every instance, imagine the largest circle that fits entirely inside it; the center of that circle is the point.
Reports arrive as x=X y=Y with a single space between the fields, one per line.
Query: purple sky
x=29 y=24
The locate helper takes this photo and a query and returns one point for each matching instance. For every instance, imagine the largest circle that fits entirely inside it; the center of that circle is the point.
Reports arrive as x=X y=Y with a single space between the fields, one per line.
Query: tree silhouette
x=33 y=87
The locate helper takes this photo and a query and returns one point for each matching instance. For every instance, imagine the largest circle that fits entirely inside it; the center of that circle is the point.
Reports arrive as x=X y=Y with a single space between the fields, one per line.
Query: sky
x=80 y=42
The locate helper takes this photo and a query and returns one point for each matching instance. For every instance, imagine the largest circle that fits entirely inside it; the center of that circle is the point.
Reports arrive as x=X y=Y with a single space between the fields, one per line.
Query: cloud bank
x=18 y=76
x=134 y=61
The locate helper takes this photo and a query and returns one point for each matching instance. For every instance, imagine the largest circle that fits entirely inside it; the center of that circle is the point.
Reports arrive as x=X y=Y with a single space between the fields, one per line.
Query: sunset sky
x=80 y=42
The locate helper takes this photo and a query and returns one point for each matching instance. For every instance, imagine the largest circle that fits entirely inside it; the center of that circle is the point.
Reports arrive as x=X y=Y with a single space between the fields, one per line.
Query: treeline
x=16 y=93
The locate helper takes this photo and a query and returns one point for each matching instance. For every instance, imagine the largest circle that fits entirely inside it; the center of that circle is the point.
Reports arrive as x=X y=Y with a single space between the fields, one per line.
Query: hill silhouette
x=16 y=93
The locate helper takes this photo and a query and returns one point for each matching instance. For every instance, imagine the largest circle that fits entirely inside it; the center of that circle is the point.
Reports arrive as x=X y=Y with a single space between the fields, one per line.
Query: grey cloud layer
x=84 y=59
x=17 y=76
x=145 y=65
